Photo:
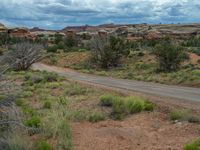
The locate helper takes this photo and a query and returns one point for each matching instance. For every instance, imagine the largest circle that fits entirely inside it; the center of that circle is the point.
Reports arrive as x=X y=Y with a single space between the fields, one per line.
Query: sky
x=57 y=14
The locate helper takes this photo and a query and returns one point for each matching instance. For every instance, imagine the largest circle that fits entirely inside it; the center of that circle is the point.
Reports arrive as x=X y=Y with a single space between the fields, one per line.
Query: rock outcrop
x=3 y=29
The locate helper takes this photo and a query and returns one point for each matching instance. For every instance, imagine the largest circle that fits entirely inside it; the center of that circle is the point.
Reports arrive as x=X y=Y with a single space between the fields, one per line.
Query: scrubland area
x=44 y=111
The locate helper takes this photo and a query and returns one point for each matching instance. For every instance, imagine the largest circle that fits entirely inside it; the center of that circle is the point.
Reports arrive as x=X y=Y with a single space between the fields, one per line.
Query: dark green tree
x=169 y=56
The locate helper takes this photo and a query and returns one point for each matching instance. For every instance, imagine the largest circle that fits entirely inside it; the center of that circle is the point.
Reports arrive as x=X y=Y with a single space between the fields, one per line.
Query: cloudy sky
x=56 y=14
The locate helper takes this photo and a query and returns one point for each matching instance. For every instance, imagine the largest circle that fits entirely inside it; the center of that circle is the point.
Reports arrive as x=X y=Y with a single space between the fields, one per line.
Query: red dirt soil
x=145 y=131
x=194 y=59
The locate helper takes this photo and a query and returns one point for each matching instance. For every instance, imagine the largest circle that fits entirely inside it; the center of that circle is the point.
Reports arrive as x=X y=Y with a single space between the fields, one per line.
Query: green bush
x=63 y=101
x=65 y=137
x=183 y=115
x=30 y=88
x=198 y=61
x=52 y=49
x=148 y=106
x=192 y=42
x=50 y=77
x=108 y=99
x=178 y=115
x=142 y=66
x=47 y=105
x=70 y=41
x=118 y=116
x=107 y=52
x=28 y=111
x=119 y=107
x=124 y=106
x=33 y=122
x=96 y=117
x=53 y=85
x=193 y=146
x=53 y=60
x=19 y=102
x=2 y=97
x=196 y=72
x=76 y=90
x=79 y=115
x=26 y=94
x=134 y=105
x=41 y=145
x=169 y=56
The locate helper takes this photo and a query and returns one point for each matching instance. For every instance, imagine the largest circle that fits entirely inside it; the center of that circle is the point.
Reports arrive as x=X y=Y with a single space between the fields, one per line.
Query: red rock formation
x=21 y=33
x=153 y=35
x=70 y=33
x=102 y=33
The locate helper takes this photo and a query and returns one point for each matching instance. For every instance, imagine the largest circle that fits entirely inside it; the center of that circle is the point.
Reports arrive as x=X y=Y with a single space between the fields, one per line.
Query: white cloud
x=59 y=13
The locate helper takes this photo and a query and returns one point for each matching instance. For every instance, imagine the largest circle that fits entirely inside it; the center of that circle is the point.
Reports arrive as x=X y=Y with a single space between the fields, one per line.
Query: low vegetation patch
x=47 y=105
x=34 y=121
x=108 y=100
x=41 y=145
x=95 y=117
x=125 y=106
x=184 y=115
x=193 y=146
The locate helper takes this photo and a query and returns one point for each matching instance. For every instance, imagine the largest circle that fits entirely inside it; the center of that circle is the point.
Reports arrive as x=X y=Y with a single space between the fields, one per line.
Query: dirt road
x=178 y=92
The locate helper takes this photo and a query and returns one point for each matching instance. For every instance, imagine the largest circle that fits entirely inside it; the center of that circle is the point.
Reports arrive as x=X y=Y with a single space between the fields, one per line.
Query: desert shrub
x=118 y=116
x=196 y=72
x=178 y=115
x=22 y=55
x=169 y=56
x=41 y=35
x=125 y=106
x=62 y=100
x=70 y=41
x=16 y=147
x=53 y=60
x=95 y=117
x=47 y=105
x=28 y=111
x=193 y=146
x=41 y=145
x=29 y=88
x=148 y=106
x=61 y=46
x=79 y=115
x=33 y=122
x=2 y=97
x=107 y=52
x=19 y=102
x=52 y=49
x=198 y=61
x=134 y=105
x=119 y=107
x=197 y=51
x=4 y=37
x=183 y=115
x=26 y=94
x=53 y=85
x=58 y=38
x=142 y=66
x=50 y=77
x=193 y=119
x=65 y=136
x=76 y=89
x=45 y=97
x=192 y=42
x=108 y=99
